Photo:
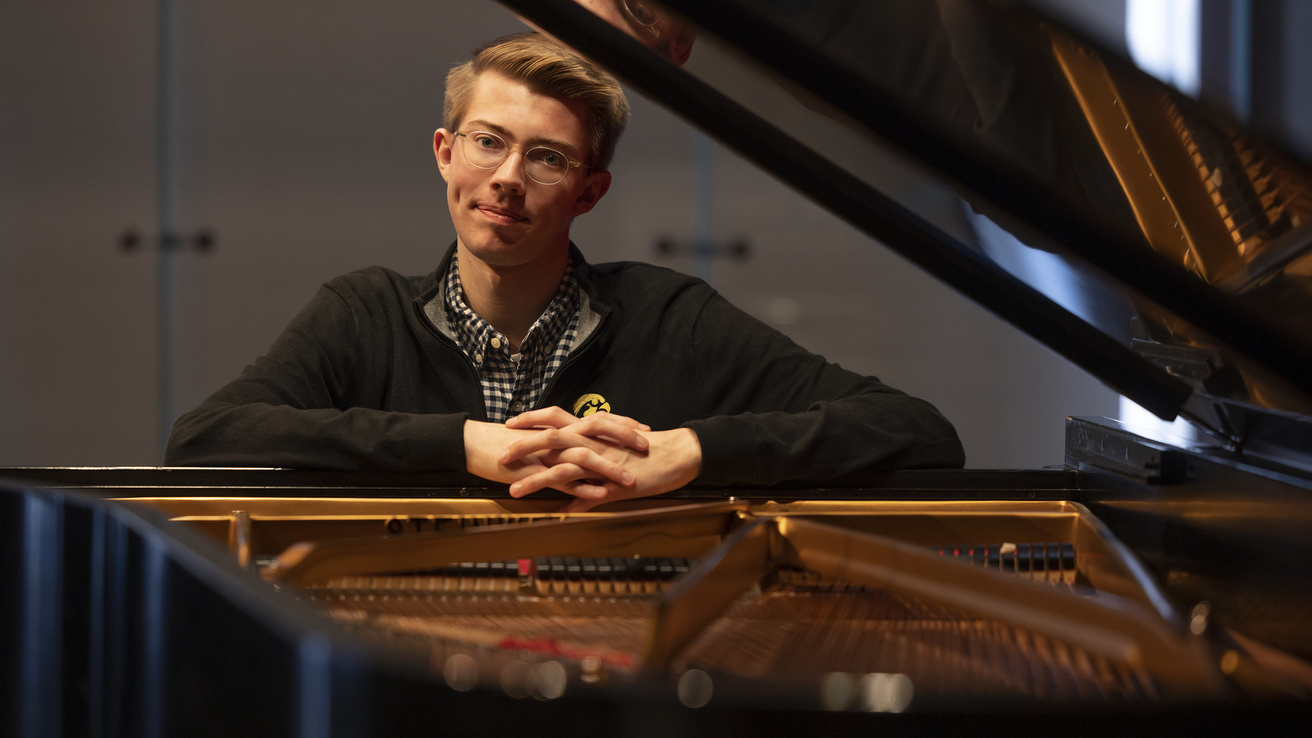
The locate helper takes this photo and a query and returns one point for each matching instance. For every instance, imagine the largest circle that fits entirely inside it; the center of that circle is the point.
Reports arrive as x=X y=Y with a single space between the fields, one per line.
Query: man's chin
x=497 y=253
x=503 y=254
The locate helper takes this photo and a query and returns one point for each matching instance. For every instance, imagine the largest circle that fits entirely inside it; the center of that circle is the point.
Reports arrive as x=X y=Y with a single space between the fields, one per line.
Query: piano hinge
x=1125 y=454
x=1229 y=440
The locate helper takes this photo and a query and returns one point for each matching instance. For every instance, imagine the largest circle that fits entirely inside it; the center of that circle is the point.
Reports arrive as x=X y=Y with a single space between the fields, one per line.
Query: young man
x=499 y=362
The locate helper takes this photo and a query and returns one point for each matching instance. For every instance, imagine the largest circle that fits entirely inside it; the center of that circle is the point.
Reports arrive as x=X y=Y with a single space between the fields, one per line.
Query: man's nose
x=679 y=46
x=510 y=172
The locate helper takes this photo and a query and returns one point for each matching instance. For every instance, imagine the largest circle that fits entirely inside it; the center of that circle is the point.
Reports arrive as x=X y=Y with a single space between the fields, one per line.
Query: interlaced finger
x=567 y=478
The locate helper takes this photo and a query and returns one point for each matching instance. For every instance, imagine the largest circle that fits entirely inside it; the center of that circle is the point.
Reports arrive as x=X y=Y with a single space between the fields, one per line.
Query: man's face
x=502 y=217
x=650 y=26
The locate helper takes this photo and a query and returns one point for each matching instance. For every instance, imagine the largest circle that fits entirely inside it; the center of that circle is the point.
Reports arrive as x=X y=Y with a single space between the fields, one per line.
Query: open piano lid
x=1134 y=231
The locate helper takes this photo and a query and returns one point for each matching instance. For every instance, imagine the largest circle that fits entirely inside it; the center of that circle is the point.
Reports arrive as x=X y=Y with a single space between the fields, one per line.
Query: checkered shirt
x=513 y=384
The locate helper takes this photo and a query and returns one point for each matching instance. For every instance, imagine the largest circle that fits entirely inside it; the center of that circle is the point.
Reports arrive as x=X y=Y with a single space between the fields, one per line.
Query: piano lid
x=1133 y=230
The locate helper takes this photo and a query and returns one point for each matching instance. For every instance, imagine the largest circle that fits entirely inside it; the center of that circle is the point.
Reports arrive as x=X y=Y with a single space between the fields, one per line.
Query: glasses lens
x=485 y=150
x=545 y=166
x=644 y=14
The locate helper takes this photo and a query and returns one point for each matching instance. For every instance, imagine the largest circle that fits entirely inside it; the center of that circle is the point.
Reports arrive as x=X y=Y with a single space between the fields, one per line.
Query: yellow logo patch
x=589 y=404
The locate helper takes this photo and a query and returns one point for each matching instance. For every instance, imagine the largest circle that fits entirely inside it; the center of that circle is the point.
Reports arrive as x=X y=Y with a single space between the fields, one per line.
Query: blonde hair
x=548 y=69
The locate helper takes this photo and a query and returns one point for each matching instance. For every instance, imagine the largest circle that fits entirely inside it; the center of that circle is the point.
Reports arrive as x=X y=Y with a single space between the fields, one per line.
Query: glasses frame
x=632 y=18
x=569 y=162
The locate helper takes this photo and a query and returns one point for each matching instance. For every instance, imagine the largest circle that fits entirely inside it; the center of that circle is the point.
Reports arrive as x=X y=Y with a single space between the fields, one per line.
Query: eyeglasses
x=642 y=15
x=541 y=164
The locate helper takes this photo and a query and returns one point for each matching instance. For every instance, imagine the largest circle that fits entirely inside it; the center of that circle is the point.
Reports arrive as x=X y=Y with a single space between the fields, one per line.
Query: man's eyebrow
x=505 y=133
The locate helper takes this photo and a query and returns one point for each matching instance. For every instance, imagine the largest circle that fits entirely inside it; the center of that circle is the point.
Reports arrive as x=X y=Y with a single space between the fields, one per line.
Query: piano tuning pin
x=885 y=692
x=1198 y=618
x=515 y=676
x=547 y=680
x=695 y=688
x=460 y=672
x=836 y=691
x=594 y=670
x=1229 y=662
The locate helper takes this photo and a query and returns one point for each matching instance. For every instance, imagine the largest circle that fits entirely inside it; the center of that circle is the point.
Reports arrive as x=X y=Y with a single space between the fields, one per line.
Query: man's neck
x=510 y=298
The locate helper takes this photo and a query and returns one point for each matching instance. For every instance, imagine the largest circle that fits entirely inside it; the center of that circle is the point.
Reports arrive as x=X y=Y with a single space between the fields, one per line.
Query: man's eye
x=641 y=13
x=487 y=142
x=549 y=158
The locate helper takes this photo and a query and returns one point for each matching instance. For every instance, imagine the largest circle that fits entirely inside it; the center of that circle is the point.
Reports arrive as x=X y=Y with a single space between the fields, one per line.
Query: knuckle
x=565 y=472
x=576 y=455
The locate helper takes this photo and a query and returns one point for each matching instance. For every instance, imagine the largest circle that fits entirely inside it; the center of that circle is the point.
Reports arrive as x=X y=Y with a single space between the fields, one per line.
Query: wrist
x=483 y=442
x=686 y=455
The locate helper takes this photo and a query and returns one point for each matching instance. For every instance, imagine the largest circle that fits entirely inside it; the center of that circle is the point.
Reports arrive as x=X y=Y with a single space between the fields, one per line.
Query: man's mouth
x=500 y=215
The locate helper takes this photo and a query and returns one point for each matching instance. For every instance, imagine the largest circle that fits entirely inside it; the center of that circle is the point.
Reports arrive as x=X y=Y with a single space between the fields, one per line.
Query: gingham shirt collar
x=514 y=385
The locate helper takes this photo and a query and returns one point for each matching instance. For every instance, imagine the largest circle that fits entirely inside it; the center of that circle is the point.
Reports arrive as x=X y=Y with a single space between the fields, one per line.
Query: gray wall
x=303 y=141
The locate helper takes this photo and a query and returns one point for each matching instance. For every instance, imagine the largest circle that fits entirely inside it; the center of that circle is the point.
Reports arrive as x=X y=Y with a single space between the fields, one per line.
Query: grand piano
x=1158 y=580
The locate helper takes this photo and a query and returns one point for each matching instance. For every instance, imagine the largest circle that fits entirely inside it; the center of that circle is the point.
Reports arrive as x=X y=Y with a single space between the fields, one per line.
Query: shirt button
x=496 y=342
x=516 y=406
x=478 y=358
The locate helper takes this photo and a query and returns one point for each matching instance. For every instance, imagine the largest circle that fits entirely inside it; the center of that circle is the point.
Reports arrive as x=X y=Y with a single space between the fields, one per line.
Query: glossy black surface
x=1024 y=484
x=977 y=93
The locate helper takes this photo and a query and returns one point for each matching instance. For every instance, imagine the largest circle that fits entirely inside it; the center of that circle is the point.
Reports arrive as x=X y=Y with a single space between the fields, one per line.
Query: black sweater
x=362 y=378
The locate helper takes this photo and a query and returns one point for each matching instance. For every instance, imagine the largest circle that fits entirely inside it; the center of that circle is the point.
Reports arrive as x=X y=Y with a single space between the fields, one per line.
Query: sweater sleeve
x=781 y=414
x=301 y=406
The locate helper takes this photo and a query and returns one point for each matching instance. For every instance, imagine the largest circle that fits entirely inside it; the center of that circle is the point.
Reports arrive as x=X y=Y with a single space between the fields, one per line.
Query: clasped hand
x=599 y=458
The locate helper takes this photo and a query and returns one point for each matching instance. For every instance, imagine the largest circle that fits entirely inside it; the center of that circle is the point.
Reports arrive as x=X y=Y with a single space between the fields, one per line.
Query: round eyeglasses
x=643 y=16
x=541 y=164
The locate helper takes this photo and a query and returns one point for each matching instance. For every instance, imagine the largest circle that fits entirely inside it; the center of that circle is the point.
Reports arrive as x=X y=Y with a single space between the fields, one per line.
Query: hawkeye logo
x=589 y=404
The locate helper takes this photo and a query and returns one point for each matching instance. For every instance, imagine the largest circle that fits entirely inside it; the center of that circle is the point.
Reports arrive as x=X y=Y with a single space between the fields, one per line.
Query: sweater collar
x=592 y=311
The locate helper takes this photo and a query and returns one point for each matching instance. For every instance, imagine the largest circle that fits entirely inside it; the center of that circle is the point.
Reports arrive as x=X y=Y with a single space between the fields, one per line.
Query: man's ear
x=443 y=141
x=597 y=184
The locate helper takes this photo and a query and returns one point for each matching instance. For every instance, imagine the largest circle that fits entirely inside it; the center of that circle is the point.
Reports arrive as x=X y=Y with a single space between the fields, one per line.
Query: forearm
x=269 y=435
x=483 y=444
x=773 y=412
x=832 y=440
